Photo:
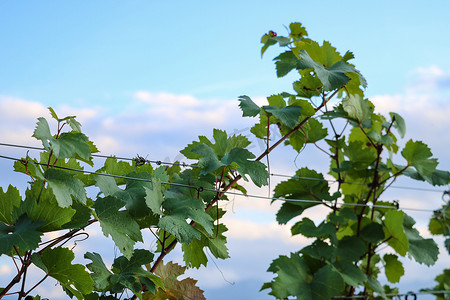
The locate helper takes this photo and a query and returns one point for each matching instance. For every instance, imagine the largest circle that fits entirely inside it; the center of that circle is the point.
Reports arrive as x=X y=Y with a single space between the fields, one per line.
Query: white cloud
x=166 y=99
x=430 y=78
x=250 y=230
x=5 y=270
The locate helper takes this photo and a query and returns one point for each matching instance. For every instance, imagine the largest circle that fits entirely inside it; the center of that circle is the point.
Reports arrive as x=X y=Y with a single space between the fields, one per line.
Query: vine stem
x=219 y=195
x=26 y=261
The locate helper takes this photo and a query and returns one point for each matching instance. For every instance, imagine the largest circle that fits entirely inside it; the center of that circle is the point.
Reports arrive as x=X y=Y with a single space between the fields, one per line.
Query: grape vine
x=180 y=205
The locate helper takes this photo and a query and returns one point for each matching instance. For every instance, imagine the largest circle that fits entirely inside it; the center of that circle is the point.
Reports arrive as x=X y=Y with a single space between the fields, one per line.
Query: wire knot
x=396 y=204
x=139 y=160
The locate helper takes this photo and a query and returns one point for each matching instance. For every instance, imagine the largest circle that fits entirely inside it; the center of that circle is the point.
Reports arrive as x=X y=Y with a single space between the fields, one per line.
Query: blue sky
x=147 y=77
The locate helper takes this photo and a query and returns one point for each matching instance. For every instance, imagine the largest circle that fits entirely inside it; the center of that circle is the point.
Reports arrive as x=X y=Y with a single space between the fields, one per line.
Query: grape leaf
x=422 y=250
x=350 y=248
x=194 y=255
x=285 y=62
x=64 y=185
x=357 y=108
x=175 y=289
x=333 y=77
x=153 y=197
x=42 y=132
x=56 y=263
x=399 y=123
x=100 y=273
x=248 y=107
x=372 y=233
x=295 y=279
x=123 y=229
x=276 y=101
x=9 y=200
x=393 y=221
x=306 y=227
x=81 y=217
x=40 y=204
x=351 y=274
x=128 y=273
x=418 y=155
x=68 y=144
x=320 y=250
x=393 y=268
x=176 y=225
x=188 y=208
x=208 y=160
x=308 y=86
x=24 y=234
x=288 y=115
x=255 y=169
x=437 y=177
x=71 y=144
x=375 y=285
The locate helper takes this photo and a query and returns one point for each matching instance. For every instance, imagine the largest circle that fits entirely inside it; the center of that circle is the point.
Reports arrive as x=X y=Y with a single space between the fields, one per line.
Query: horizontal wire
x=199 y=188
x=359 y=183
x=183 y=164
x=440 y=292
x=108 y=175
x=158 y=162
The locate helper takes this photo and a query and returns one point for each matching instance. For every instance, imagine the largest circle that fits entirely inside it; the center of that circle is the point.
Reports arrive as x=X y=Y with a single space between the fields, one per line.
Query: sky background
x=148 y=77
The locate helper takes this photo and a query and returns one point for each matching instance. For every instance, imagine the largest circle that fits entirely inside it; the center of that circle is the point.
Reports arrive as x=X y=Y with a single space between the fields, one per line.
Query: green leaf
x=124 y=231
x=100 y=273
x=176 y=225
x=188 y=208
x=277 y=101
x=255 y=169
x=351 y=274
x=248 y=107
x=320 y=250
x=288 y=115
x=300 y=186
x=23 y=234
x=437 y=177
x=64 y=185
x=285 y=62
x=333 y=77
x=350 y=248
x=114 y=167
x=308 y=86
x=193 y=254
x=393 y=268
x=208 y=160
x=306 y=227
x=296 y=279
x=9 y=200
x=267 y=41
x=133 y=265
x=418 y=155
x=128 y=273
x=357 y=108
x=399 y=123
x=56 y=263
x=42 y=132
x=71 y=144
x=153 y=197
x=175 y=289
x=372 y=233
x=316 y=131
x=424 y=251
x=40 y=204
x=375 y=285
x=393 y=221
